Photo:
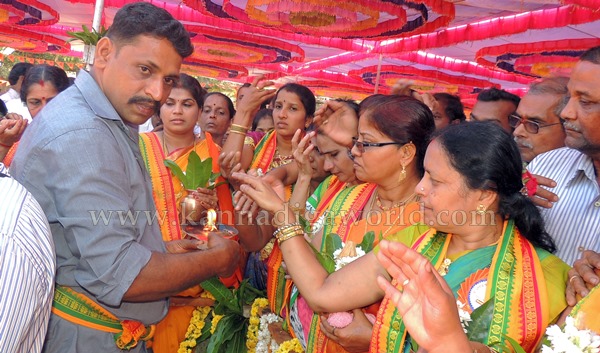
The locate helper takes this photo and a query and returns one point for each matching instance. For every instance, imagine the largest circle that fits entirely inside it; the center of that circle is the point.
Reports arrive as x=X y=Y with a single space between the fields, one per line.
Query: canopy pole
x=378 y=74
x=98 y=15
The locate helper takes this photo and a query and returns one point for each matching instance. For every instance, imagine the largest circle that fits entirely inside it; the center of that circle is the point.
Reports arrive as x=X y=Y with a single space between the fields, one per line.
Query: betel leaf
x=367 y=243
x=332 y=243
x=481 y=319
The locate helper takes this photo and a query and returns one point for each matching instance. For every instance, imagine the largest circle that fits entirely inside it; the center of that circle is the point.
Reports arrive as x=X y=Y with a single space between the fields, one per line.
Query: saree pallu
x=168 y=193
x=264 y=158
x=346 y=210
x=510 y=273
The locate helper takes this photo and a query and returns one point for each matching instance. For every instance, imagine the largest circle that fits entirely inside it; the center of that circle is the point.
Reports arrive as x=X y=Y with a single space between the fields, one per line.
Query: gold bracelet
x=290 y=233
x=240 y=128
x=237 y=132
x=284 y=228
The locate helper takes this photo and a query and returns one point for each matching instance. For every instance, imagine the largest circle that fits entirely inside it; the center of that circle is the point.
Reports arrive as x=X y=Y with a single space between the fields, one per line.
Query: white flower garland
x=464 y=316
x=264 y=336
x=571 y=340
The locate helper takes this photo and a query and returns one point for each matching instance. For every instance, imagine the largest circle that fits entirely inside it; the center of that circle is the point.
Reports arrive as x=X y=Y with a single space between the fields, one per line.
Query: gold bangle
x=237 y=132
x=240 y=128
x=285 y=227
x=289 y=233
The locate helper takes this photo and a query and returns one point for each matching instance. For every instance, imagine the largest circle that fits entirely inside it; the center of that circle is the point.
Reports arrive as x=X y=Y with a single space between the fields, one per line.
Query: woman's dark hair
x=142 y=18
x=227 y=100
x=191 y=85
x=260 y=115
x=44 y=73
x=304 y=93
x=454 y=107
x=403 y=119
x=489 y=159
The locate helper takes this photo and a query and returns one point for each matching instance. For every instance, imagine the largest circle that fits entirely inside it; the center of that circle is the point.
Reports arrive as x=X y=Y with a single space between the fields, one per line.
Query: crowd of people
x=500 y=210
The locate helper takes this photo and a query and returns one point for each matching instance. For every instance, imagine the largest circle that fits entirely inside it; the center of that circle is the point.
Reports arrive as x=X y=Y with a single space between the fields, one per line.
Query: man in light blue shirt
x=80 y=158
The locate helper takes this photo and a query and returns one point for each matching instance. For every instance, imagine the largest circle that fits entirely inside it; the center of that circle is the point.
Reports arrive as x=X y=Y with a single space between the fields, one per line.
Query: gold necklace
x=400 y=214
x=443 y=270
x=166 y=149
x=394 y=205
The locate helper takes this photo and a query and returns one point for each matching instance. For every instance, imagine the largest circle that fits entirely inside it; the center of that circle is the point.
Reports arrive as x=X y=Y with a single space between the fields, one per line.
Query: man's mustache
x=145 y=101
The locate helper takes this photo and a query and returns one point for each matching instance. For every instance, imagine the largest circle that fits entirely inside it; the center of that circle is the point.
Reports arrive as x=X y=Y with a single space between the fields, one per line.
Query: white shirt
x=27 y=266
x=10 y=95
x=17 y=106
x=574 y=221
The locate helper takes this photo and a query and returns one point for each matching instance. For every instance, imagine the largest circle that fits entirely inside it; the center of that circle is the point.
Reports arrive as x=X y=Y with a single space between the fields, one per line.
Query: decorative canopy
x=338 y=47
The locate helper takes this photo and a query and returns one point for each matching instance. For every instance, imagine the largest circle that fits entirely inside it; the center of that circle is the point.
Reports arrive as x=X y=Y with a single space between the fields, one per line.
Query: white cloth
x=574 y=221
x=27 y=268
x=17 y=106
x=10 y=95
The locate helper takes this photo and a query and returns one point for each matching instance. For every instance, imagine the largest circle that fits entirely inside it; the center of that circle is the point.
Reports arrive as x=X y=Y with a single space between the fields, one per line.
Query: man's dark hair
x=592 y=55
x=142 y=18
x=17 y=71
x=493 y=95
x=454 y=107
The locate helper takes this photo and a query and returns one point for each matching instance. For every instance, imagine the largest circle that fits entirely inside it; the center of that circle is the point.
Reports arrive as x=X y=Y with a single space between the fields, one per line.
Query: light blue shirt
x=26 y=269
x=83 y=165
x=573 y=221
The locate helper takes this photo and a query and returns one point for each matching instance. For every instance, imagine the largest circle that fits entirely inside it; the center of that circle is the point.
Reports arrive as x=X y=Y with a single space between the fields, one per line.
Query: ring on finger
x=572 y=278
x=333 y=332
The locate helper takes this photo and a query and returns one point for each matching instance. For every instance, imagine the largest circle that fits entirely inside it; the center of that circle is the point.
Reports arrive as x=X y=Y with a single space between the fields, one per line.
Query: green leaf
x=206 y=329
x=332 y=243
x=325 y=260
x=193 y=170
x=177 y=171
x=516 y=347
x=217 y=289
x=237 y=344
x=304 y=224
x=481 y=317
x=367 y=243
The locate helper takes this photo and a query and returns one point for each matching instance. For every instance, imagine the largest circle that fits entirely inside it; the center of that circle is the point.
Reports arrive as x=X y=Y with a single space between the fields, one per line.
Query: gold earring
x=402 y=174
x=481 y=210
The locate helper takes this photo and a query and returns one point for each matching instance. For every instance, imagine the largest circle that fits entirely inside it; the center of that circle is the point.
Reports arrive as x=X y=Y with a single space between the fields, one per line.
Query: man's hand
x=583 y=276
x=11 y=129
x=182 y=246
x=543 y=197
x=228 y=254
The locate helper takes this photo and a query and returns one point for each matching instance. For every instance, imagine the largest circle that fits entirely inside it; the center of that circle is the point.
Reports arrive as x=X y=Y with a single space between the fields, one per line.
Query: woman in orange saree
x=179 y=115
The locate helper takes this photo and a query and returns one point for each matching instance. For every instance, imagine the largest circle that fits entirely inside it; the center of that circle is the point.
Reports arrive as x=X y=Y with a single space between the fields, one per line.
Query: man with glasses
x=574 y=219
x=537 y=124
x=495 y=105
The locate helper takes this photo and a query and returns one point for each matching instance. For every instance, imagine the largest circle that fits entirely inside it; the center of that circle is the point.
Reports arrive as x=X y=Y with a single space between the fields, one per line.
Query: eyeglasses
x=360 y=145
x=530 y=126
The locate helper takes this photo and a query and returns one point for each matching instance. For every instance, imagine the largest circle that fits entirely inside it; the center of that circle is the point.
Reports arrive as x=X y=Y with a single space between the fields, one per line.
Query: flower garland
x=259 y=337
x=254 y=323
x=197 y=323
x=571 y=339
x=465 y=316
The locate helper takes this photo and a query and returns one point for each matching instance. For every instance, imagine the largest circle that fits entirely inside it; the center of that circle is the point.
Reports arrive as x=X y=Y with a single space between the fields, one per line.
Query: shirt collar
x=583 y=164
x=95 y=97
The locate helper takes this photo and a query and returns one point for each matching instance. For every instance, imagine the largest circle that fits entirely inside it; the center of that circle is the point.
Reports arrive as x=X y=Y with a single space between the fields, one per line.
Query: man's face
x=497 y=111
x=582 y=112
x=539 y=108
x=137 y=77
